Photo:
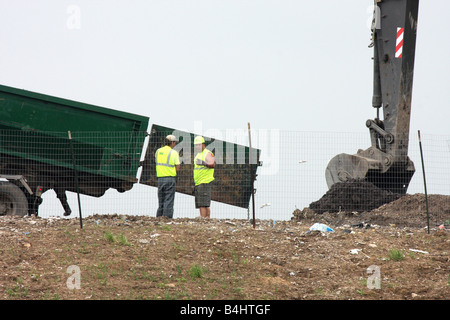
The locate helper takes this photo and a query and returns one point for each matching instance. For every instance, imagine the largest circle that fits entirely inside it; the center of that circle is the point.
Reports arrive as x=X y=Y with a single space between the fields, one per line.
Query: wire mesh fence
x=107 y=164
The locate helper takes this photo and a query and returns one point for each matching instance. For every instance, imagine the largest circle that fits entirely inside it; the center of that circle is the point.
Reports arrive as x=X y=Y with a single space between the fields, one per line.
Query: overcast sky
x=290 y=64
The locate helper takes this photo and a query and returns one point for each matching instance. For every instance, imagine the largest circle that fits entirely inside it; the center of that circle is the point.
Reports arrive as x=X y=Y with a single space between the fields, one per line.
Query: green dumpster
x=104 y=150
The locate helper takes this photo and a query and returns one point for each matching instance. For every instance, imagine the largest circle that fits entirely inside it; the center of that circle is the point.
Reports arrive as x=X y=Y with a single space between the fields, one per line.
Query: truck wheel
x=12 y=200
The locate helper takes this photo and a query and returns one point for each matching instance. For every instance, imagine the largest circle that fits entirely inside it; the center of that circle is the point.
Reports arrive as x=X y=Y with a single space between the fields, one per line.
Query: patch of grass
x=396 y=255
x=166 y=227
x=120 y=239
x=360 y=291
x=179 y=269
x=177 y=246
x=318 y=291
x=176 y=295
x=19 y=290
x=196 y=271
x=109 y=236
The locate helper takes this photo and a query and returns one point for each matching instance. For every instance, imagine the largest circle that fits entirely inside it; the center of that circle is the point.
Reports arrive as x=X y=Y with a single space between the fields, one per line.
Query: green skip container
x=47 y=141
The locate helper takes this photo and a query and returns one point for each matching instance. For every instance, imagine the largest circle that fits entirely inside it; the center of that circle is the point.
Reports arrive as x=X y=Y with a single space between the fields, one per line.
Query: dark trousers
x=166 y=196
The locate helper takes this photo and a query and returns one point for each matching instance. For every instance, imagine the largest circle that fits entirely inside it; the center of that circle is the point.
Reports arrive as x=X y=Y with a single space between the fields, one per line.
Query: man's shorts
x=202 y=194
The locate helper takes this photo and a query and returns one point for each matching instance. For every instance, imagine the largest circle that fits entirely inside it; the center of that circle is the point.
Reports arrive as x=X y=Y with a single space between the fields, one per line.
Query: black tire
x=12 y=200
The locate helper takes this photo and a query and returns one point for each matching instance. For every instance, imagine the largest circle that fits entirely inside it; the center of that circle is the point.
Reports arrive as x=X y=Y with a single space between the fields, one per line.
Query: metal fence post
x=76 y=178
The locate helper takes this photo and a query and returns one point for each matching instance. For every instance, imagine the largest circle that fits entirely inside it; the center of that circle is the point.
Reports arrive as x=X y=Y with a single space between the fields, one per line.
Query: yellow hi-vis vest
x=166 y=160
x=202 y=174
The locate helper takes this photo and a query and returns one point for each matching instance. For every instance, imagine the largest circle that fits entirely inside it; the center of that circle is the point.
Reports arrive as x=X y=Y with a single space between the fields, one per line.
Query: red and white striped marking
x=399 y=43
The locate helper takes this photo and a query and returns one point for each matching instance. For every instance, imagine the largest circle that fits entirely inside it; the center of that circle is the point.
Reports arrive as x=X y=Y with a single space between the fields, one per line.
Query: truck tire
x=12 y=200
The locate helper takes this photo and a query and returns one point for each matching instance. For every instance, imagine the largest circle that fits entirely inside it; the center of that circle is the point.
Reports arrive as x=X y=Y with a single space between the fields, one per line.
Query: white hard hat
x=171 y=138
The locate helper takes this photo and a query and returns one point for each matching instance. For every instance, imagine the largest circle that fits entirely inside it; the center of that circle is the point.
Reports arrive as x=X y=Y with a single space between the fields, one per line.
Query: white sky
x=290 y=64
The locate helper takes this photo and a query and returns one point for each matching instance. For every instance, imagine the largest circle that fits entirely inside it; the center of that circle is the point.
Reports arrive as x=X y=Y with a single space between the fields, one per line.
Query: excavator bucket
x=346 y=168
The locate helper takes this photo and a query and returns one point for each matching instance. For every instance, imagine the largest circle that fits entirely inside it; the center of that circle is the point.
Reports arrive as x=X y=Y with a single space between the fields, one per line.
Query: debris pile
x=353 y=195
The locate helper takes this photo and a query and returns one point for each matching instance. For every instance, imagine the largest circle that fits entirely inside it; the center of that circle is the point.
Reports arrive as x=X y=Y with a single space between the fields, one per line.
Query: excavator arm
x=386 y=163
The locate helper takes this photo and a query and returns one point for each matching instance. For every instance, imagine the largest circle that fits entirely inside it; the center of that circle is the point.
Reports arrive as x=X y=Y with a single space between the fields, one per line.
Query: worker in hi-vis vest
x=204 y=164
x=167 y=166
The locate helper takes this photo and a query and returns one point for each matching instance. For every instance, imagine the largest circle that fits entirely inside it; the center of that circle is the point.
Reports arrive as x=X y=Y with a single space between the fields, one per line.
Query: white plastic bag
x=320 y=227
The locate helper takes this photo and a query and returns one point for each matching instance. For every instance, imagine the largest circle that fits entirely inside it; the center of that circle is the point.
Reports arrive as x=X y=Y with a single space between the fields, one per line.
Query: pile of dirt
x=362 y=203
x=354 y=195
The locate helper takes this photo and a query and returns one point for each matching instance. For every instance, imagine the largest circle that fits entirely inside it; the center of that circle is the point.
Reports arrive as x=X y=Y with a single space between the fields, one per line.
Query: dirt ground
x=386 y=253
